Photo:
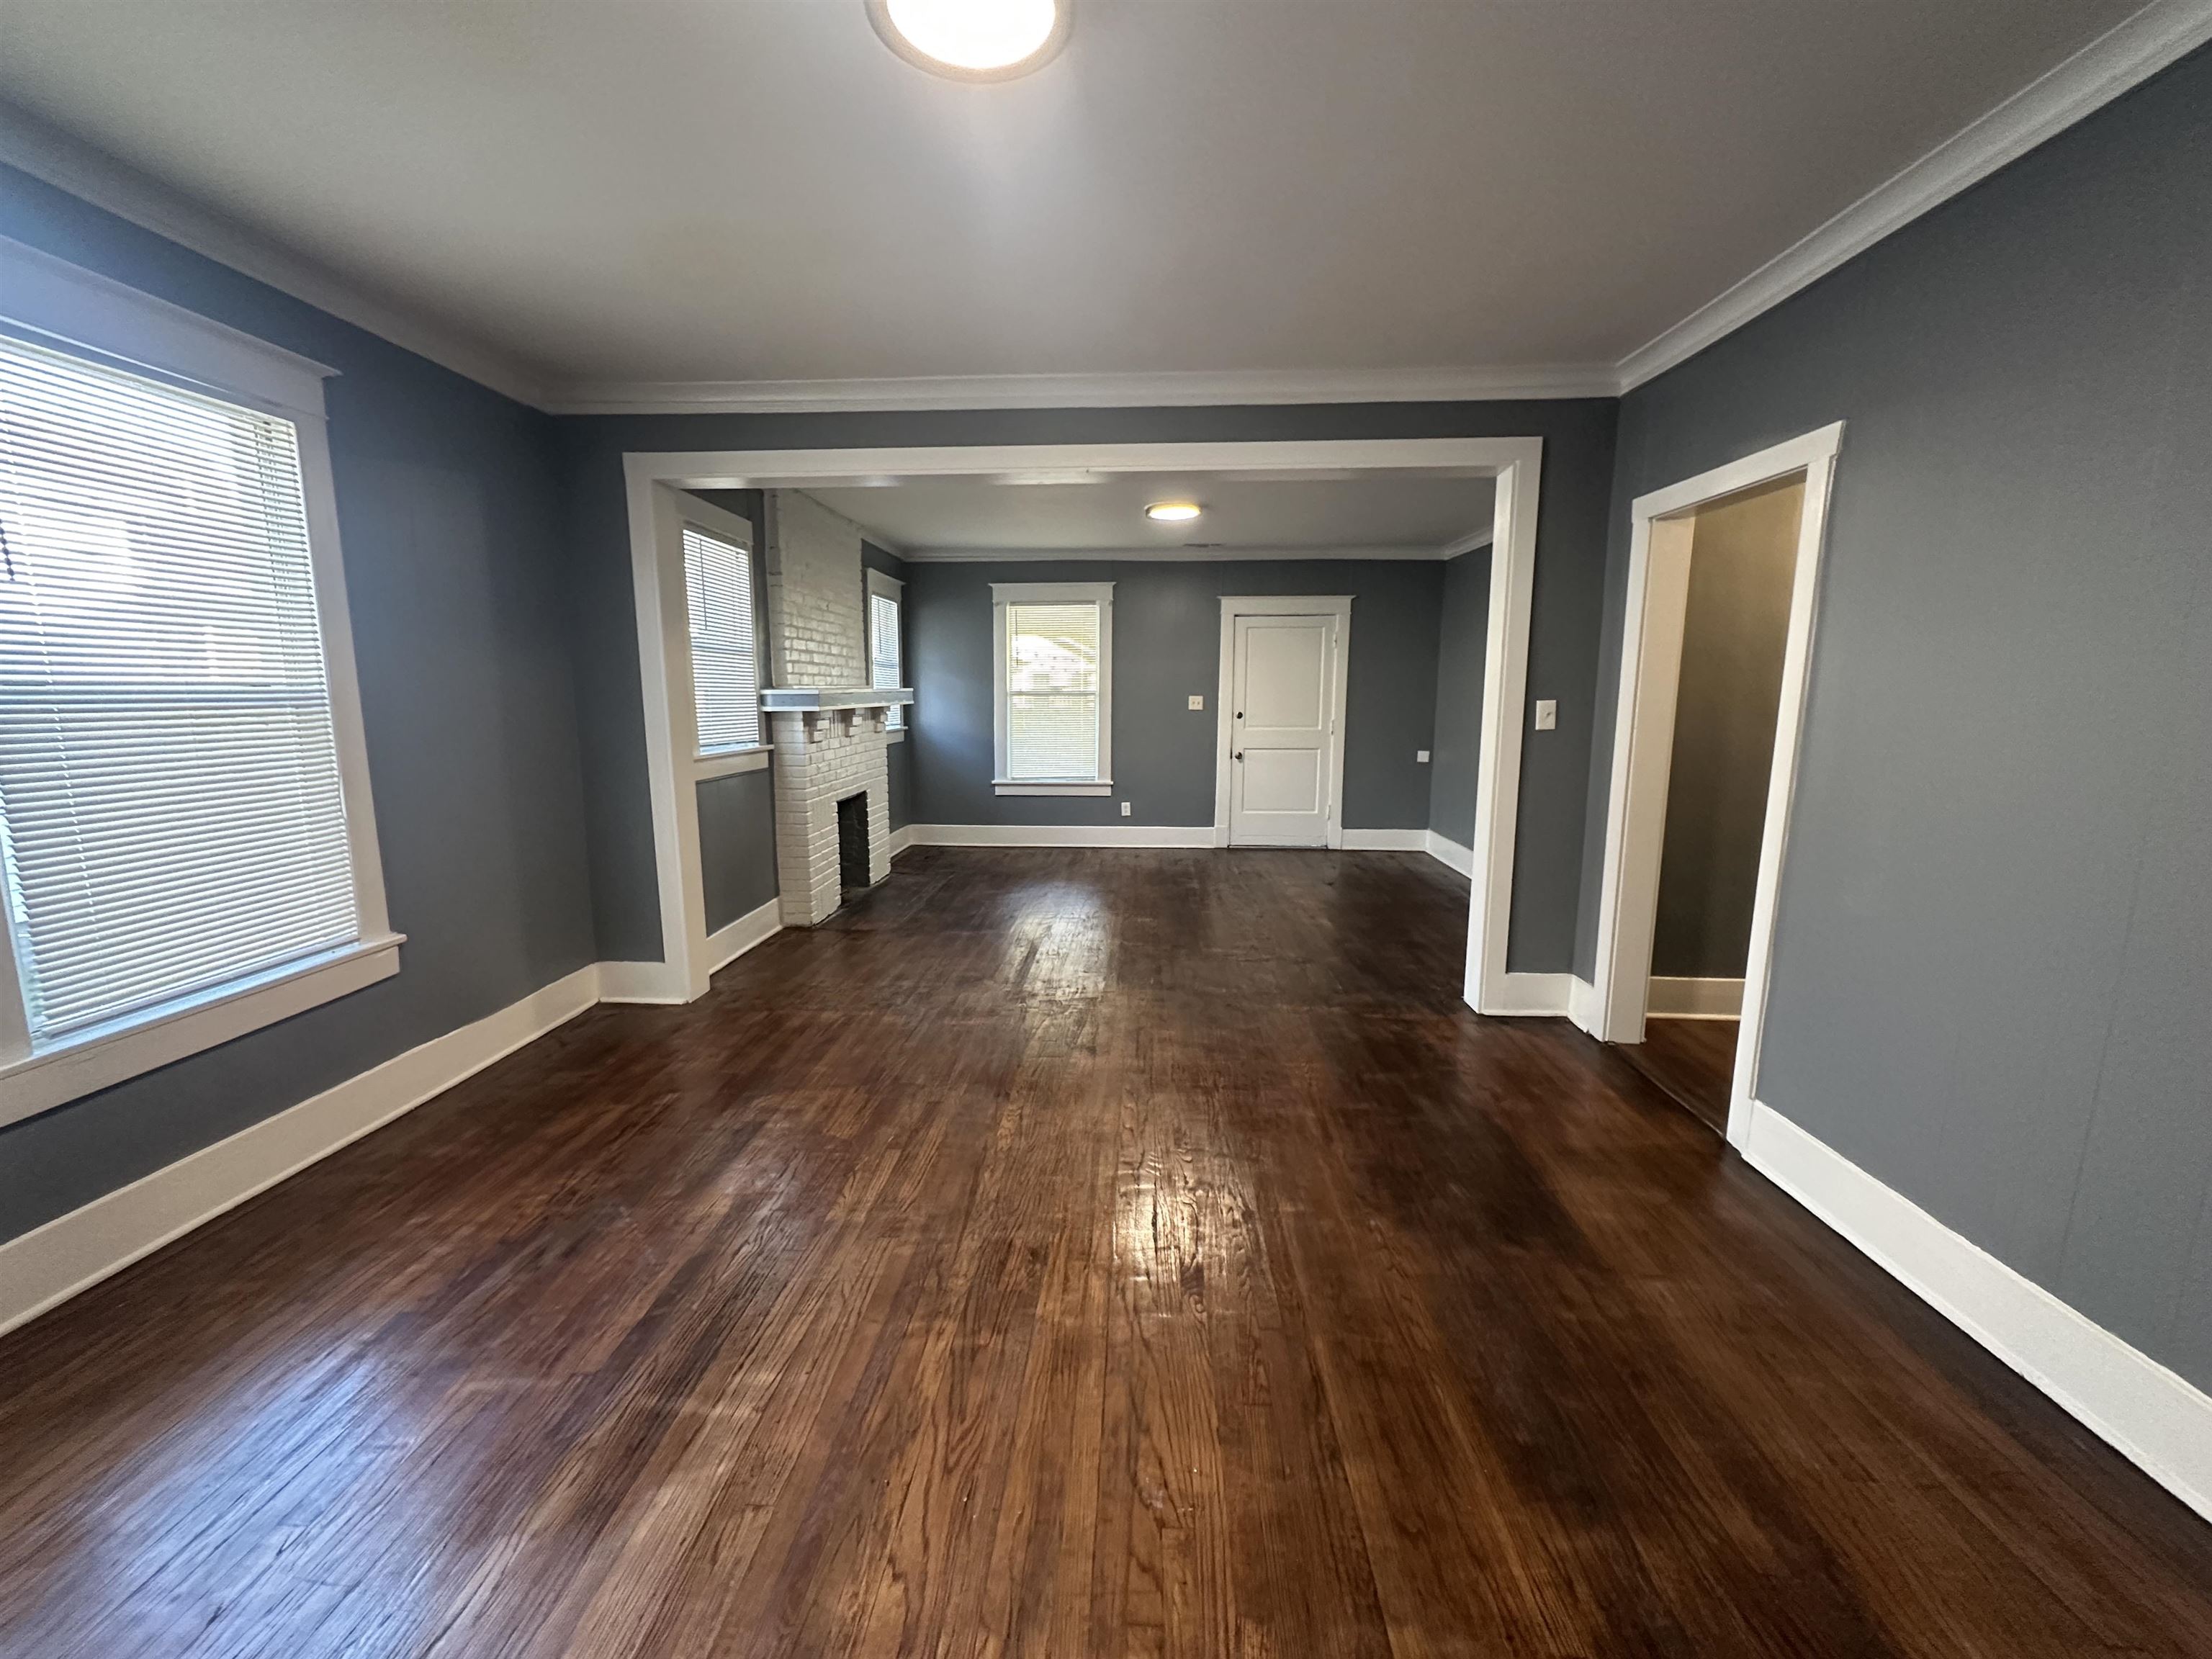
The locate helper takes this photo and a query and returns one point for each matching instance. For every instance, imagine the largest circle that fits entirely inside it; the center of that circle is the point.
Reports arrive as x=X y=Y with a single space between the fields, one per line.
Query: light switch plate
x=1198 y=702
x=1421 y=755
x=1547 y=715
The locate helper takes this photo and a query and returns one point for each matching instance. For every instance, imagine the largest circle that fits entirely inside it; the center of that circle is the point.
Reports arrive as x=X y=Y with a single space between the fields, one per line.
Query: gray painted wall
x=1743 y=556
x=1578 y=461
x=447 y=499
x=1463 y=645
x=1167 y=646
x=737 y=845
x=1992 y=982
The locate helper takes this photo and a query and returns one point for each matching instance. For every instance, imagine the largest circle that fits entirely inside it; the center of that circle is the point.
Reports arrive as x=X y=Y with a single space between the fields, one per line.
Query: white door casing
x=1279 y=784
x=1281 y=704
x=1651 y=667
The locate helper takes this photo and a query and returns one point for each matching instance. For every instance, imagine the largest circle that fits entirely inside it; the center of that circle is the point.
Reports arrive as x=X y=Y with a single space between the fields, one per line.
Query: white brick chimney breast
x=833 y=743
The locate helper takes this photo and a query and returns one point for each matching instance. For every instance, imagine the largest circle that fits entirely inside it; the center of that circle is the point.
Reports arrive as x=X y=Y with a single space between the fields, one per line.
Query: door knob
x=1240 y=754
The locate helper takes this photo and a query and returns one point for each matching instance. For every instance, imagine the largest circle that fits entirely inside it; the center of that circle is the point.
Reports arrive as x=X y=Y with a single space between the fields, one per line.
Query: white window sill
x=106 y=1055
x=1013 y=787
x=724 y=762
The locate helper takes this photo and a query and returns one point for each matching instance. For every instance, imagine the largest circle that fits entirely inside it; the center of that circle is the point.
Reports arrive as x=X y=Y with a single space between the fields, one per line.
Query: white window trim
x=1006 y=594
x=57 y=304
x=892 y=588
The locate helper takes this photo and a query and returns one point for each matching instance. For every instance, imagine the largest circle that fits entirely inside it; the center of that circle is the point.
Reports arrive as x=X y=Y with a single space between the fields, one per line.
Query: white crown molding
x=1170 y=554
x=1174 y=389
x=31 y=146
x=2117 y=61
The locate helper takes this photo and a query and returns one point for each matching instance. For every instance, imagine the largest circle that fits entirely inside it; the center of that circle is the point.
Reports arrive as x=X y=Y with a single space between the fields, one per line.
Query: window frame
x=720 y=761
x=880 y=585
x=62 y=307
x=676 y=509
x=1004 y=594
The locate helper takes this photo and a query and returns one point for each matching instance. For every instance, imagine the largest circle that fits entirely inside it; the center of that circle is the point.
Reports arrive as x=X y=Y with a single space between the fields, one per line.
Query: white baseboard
x=2154 y=1417
x=1445 y=850
x=50 y=1264
x=1060 y=834
x=1386 y=841
x=1694 y=998
x=640 y=981
x=901 y=839
x=1531 y=994
x=1582 y=1006
x=726 y=943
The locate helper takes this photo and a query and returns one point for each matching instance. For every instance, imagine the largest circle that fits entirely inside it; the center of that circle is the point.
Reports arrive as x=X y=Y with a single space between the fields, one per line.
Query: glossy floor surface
x=1691 y=1059
x=1060 y=1252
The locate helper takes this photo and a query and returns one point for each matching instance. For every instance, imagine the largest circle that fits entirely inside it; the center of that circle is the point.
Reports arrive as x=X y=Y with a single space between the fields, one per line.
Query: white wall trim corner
x=1529 y=994
x=655 y=982
x=2156 y=1419
x=901 y=839
x=1446 y=851
x=1677 y=998
x=51 y=1263
x=1585 y=1007
x=732 y=940
x=1386 y=841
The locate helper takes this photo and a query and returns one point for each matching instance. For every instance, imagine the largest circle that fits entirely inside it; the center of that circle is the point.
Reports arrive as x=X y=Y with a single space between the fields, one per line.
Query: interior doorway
x=1280 y=768
x=1723 y=578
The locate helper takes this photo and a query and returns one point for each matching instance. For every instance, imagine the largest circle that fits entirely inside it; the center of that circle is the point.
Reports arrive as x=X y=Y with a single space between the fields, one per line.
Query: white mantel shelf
x=808 y=699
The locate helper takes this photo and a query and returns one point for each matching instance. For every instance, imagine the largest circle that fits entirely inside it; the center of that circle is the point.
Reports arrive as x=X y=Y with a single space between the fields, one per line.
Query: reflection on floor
x=1063 y=1253
x=1691 y=1059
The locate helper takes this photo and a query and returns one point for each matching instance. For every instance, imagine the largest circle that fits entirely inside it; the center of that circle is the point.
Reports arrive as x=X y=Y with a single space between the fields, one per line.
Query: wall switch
x=1198 y=702
x=1421 y=757
x=1547 y=715
x=1125 y=809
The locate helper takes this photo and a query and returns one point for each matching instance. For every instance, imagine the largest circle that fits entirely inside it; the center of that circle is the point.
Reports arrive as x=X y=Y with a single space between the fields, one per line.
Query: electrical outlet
x=1547 y=715
x=1198 y=702
x=1125 y=809
x=1421 y=757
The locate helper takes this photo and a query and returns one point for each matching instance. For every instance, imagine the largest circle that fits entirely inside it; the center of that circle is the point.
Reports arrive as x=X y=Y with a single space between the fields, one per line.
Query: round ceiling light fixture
x=1173 y=512
x=973 y=39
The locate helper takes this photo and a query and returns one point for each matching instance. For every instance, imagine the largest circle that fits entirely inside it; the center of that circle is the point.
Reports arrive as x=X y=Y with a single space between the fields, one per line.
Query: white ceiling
x=1406 y=515
x=715 y=190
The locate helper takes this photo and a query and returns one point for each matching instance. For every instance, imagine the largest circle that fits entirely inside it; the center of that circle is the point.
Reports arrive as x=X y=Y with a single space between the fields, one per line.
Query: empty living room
x=1093 y=829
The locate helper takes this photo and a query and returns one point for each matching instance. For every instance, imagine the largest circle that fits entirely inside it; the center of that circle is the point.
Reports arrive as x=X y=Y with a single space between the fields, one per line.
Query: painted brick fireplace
x=827 y=726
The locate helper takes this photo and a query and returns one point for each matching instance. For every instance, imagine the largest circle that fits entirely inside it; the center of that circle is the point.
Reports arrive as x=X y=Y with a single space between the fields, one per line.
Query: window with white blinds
x=884 y=664
x=173 y=814
x=1055 y=684
x=718 y=581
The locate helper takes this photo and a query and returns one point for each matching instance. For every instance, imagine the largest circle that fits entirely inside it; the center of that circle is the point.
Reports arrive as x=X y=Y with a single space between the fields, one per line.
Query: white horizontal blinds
x=1052 y=690
x=884 y=649
x=170 y=803
x=718 y=579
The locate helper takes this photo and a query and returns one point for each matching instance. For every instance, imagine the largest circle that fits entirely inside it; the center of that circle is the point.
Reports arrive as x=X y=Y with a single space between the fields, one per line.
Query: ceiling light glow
x=973 y=39
x=1173 y=512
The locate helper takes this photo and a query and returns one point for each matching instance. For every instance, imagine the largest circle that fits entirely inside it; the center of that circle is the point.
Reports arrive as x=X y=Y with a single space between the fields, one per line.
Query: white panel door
x=1284 y=687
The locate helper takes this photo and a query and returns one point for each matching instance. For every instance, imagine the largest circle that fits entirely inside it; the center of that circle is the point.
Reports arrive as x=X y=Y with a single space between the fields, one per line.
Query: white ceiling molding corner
x=2121 y=58
x=31 y=146
x=1176 y=389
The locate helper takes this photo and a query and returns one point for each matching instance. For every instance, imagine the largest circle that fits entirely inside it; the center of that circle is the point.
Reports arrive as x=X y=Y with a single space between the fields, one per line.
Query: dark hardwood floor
x=1060 y=1254
x=1692 y=1060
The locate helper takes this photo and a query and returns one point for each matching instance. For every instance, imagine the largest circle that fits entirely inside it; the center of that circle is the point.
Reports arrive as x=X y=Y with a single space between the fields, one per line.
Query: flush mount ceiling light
x=1173 y=512
x=973 y=39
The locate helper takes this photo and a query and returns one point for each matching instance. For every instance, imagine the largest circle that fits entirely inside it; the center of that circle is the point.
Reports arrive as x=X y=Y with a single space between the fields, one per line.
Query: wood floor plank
x=1058 y=1253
